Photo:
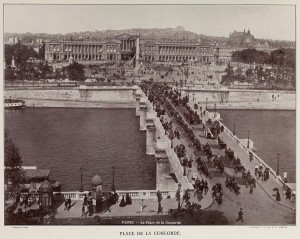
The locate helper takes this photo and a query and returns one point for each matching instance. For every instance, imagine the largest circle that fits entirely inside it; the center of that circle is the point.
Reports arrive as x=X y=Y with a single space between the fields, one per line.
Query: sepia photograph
x=149 y=114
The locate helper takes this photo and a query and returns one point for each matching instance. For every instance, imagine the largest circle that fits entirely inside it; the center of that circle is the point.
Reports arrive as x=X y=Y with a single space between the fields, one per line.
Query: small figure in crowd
x=240 y=214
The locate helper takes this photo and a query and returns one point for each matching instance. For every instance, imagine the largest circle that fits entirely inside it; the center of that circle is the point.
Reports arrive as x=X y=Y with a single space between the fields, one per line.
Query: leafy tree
x=229 y=70
x=278 y=57
x=75 y=72
x=228 y=77
x=9 y=74
x=250 y=56
x=14 y=174
x=41 y=54
x=20 y=52
x=283 y=57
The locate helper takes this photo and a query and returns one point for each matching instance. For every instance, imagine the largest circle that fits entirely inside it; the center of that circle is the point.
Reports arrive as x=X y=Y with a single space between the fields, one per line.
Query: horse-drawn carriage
x=197 y=144
x=229 y=154
x=217 y=193
x=218 y=163
x=180 y=150
x=232 y=184
x=222 y=143
x=207 y=150
x=201 y=167
x=237 y=165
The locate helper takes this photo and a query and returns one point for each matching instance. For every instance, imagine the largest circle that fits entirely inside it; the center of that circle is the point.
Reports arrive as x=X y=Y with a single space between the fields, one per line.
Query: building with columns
x=176 y=52
x=82 y=51
x=123 y=47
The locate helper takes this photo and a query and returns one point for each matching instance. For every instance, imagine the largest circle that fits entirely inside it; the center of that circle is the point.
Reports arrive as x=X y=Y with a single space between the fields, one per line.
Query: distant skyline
x=264 y=21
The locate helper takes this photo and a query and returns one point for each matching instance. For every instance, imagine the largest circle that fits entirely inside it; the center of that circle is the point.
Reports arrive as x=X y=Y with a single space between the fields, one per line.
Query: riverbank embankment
x=39 y=103
x=124 y=97
x=267 y=105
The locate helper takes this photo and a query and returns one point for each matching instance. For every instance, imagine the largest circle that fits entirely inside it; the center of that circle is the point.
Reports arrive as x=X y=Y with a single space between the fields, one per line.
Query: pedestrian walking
x=159 y=199
x=66 y=203
x=69 y=203
x=18 y=196
x=83 y=210
x=251 y=188
x=142 y=205
x=178 y=198
x=85 y=200
x=205 y=187
x=251 y=157
x=116 y=197
x=288 y=194
x=90 y=205
x=26 y=200
x=128 y=199
x=278 y=198
x=256 y=170
x=122 y=203
x=240 y=214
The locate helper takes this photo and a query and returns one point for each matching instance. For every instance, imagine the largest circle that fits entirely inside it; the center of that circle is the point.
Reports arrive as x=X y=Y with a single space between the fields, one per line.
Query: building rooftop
x=37 y=173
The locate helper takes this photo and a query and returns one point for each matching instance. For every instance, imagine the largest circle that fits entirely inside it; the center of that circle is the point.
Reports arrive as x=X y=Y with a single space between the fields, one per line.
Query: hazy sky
x=275 y=22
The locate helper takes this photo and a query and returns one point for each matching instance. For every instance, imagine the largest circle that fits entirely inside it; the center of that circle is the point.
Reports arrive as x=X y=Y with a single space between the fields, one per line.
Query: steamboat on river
x=14 y=104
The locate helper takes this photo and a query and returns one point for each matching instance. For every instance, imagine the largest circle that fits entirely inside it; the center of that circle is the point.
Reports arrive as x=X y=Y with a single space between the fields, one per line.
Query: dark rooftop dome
x=46 y=187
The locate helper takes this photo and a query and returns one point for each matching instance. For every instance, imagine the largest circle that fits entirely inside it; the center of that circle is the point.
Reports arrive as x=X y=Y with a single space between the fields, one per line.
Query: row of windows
x=184 y=53
x=149 y=48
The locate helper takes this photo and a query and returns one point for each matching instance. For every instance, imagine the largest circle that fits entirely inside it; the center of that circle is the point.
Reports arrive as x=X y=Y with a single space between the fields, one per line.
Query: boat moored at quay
x=14 y=104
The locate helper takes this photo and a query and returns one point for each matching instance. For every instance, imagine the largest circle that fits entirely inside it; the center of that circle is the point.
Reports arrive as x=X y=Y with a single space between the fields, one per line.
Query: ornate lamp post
x=113 y=188
x=277 y=173
x=234 y=127
x=248 y=140
x=81 y=184
x=193 y=96
x=206 y=103
x=215 y=110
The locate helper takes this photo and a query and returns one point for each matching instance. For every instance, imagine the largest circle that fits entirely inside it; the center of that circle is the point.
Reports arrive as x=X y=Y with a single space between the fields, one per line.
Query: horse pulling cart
x=222 y=143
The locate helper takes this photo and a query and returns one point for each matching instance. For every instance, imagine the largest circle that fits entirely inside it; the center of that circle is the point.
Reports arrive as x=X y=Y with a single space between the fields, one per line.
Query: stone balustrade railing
x=134 y=194
x=146 y=194
x=75 y=195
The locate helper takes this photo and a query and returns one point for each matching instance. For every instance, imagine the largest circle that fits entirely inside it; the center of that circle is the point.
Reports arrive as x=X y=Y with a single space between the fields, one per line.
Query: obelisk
x=137 y=53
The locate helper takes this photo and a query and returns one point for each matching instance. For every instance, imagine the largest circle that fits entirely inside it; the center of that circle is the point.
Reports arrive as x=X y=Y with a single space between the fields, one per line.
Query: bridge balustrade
x=134 y=194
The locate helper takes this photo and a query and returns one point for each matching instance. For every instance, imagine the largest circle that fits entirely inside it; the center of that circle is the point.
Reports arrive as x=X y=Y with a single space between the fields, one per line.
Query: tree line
x=21 y=53
x=279 y=57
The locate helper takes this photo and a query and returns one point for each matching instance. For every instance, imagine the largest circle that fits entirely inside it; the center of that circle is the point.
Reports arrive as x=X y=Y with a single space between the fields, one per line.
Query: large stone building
x=123 y=47
x=241 y=39
x=223 y=54
x=176 y=51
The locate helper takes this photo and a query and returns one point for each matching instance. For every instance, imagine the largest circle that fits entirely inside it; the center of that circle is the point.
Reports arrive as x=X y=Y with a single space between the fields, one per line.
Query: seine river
x=272 y=132
x=64 y=140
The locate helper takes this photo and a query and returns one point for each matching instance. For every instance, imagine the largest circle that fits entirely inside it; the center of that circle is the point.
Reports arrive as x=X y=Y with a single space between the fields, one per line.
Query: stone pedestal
x=150 y=140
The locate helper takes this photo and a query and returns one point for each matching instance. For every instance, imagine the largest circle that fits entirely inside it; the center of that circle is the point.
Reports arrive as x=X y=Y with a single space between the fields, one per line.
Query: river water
x=64 y=140
x=272 y=131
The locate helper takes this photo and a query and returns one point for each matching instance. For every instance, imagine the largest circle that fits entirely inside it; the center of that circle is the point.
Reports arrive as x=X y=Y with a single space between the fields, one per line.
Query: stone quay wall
x=112 y=94
x=223 y=95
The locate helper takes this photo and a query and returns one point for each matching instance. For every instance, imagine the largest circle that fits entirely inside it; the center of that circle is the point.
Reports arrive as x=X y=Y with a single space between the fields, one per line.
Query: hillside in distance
x=160 y=34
